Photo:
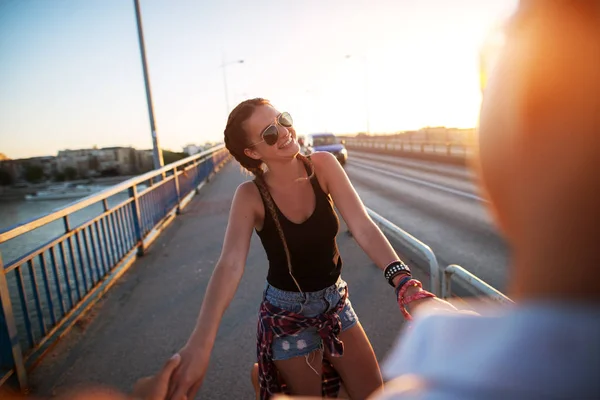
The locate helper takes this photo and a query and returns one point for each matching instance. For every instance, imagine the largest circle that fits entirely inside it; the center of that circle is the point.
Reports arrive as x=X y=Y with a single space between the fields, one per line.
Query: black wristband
x=394 y=269
x=402 y=282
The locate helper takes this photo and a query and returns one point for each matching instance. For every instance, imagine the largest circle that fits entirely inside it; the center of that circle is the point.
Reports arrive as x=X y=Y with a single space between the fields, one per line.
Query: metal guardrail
x=410 y=241
x=440 y=281
x=471 y=281
x=408 y=145
x=44 y=292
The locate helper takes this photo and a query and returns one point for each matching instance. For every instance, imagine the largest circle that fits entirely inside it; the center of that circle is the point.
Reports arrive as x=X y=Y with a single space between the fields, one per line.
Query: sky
x=71 y=72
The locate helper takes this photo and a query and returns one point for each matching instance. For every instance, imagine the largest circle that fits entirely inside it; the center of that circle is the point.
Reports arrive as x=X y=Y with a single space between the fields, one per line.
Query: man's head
x=540 y=135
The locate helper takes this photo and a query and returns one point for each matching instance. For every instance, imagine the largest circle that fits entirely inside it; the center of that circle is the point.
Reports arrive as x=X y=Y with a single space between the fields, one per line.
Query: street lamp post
x=223 y=66
x=156 y=152
x=366 y=88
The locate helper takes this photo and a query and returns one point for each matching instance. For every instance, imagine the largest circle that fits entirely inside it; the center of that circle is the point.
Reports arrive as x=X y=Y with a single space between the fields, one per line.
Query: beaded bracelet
x=405 y=287
x=401 y=284
x=402 y=302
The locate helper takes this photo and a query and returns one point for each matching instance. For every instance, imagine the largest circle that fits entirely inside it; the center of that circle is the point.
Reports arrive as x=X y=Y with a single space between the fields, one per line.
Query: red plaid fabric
x=275 y=322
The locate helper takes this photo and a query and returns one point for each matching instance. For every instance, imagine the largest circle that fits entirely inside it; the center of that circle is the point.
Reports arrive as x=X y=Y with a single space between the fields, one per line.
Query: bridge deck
x=148 y=315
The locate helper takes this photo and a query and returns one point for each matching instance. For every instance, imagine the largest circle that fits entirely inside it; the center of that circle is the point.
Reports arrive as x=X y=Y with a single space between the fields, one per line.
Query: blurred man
x=539 y=166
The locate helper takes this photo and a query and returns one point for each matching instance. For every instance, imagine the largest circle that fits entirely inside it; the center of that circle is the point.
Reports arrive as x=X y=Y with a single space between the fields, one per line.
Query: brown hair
x=236 y=141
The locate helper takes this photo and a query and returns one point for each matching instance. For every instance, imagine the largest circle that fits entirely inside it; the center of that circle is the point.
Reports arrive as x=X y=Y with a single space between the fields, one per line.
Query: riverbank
x=11 y=193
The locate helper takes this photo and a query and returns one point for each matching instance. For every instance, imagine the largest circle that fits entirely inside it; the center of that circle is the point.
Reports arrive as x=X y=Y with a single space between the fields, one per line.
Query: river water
x=14 y=213
x=17 y=212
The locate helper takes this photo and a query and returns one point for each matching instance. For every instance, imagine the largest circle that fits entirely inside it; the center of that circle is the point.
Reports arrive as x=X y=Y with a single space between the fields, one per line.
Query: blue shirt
x=529 y=351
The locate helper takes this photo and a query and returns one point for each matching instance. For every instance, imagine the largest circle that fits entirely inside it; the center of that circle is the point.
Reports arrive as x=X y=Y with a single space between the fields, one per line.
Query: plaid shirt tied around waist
x=274 y=322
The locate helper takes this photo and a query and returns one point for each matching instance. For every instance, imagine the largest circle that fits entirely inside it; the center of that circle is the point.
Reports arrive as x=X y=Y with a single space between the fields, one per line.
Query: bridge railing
x=454 y=148
x=415 y=245
x=80 y=250
x=472 y=282
x=440 y=278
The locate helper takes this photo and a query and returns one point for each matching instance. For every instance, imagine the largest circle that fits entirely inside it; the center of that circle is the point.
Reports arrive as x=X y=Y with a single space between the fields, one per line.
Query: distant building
x=192 y=149
x=121 y=159
x=144 y=160
x=461 y=135
x=79 y=160
x=439 y=134
x=18 y=168
x=87 y=163
x=107 y=160
x=12 y=168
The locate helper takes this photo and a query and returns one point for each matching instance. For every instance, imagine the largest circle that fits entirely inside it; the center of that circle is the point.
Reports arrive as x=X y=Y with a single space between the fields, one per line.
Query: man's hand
x=156 y=387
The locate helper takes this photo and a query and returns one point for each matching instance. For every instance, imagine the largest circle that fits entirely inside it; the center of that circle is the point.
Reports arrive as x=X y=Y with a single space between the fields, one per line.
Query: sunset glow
x=74 y=81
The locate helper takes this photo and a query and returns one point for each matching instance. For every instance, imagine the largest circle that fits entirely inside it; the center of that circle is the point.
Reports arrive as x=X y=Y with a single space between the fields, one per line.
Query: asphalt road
x=439 y=204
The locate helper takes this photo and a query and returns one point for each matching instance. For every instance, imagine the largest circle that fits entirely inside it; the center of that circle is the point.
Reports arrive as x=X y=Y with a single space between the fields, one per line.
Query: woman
x=290 y=205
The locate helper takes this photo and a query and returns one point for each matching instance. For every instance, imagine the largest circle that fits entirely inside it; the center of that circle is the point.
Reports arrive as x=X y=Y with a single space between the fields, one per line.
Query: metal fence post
x=177 y=190
x=210 y=166
x=200 y=168
x=472 y=282
x=196 y=175
x=137 y=218
x=10 y=348
x=447 y=283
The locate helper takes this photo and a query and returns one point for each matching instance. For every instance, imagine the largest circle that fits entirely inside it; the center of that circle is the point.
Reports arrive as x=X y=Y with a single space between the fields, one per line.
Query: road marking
x=420 y=182
x=423 y=165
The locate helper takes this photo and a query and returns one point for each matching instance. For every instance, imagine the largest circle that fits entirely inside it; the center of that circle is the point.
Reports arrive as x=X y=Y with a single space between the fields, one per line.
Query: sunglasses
x=271 y=132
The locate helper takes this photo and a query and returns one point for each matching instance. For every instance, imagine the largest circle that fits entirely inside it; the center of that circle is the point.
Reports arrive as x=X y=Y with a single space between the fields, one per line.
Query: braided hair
x=236 y=141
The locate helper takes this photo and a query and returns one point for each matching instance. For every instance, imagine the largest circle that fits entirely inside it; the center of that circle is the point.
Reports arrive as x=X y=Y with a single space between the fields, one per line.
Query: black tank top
x=316 y=262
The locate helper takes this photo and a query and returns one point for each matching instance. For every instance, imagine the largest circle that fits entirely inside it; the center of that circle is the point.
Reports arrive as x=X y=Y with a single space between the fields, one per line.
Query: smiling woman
x=310 y=341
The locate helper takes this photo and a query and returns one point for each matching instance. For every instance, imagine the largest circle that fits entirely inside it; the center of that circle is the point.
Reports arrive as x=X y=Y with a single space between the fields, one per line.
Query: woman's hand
x=156 y=387
x=188 y=377
x=427 y=303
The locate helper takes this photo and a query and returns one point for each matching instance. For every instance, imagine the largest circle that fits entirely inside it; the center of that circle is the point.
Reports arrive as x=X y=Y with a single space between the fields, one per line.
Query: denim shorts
x=309 y=304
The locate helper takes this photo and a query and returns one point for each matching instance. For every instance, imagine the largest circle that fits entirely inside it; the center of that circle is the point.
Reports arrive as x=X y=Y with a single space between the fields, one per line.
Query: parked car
x=326 y=142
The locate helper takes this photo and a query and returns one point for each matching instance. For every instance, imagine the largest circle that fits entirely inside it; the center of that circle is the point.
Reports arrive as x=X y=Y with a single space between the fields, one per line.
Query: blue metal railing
x=46 y=290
